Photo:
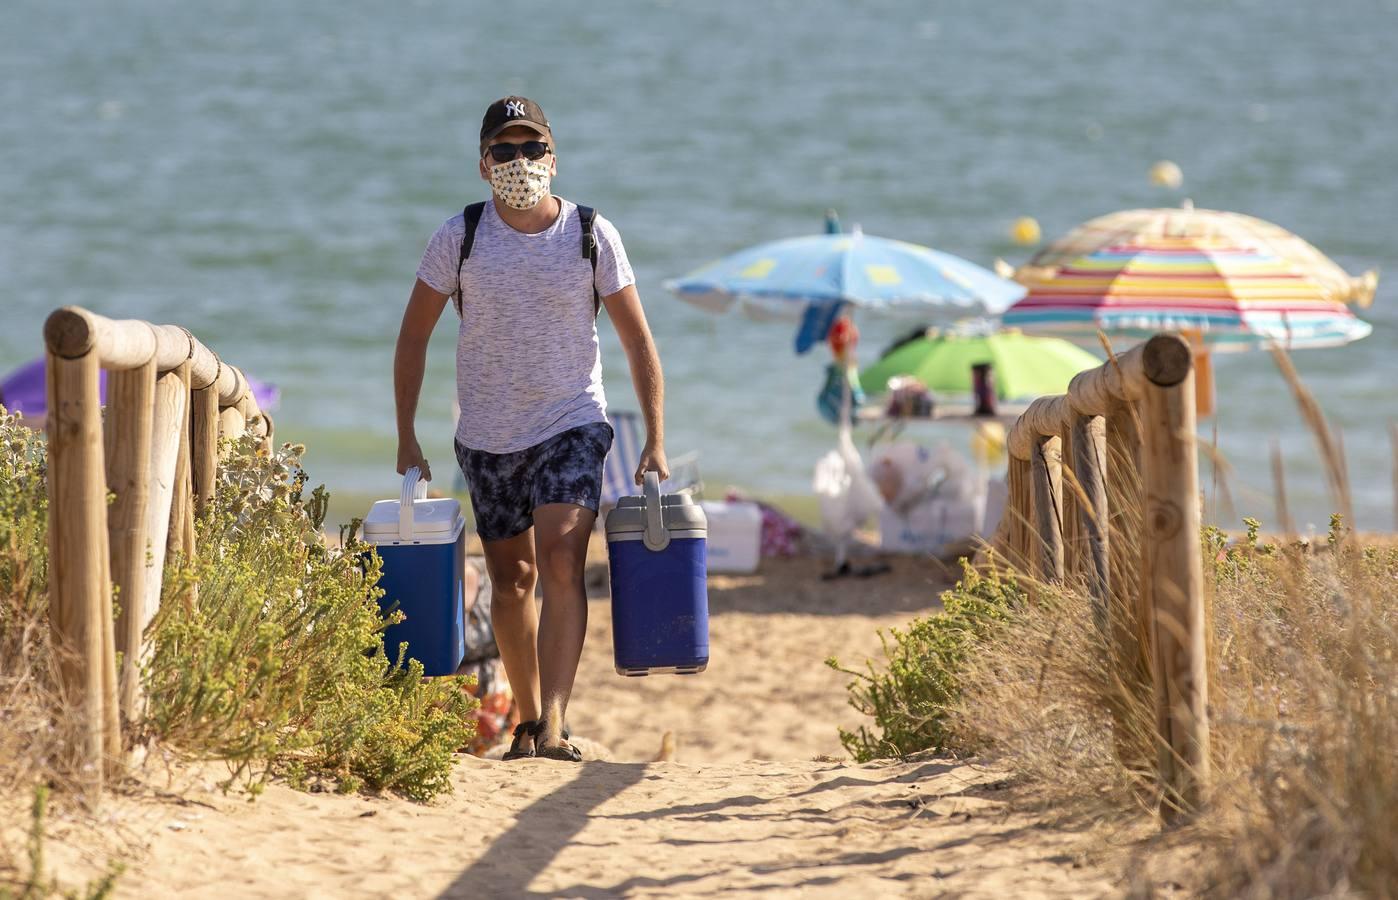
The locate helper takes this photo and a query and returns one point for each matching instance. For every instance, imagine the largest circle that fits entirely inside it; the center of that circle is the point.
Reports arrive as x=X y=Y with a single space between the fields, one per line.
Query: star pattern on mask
x=521 y=183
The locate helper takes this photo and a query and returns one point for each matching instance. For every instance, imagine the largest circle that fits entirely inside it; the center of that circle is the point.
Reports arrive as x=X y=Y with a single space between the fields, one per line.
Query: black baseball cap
x=508 y=111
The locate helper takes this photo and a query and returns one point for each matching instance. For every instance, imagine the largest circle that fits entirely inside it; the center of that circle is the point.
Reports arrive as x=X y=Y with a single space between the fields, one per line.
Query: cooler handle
x=656 y=537
x=413 y=489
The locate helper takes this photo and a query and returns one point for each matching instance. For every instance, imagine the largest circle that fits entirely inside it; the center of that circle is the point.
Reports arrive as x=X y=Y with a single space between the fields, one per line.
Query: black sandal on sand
x=845 y=570
x=523 y=728
x=562 y=752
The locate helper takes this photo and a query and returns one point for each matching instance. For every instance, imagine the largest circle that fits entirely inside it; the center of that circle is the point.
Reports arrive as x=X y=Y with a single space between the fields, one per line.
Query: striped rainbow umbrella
x=1186 y=221
x=1235 y=296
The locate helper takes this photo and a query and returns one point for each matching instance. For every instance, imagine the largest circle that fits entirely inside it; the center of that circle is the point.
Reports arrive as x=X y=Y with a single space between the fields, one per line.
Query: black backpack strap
x=471 y=217
x=586 y=215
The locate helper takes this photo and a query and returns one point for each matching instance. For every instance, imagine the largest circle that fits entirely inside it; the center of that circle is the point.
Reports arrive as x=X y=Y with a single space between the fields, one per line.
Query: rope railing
x=1104 y=490
x=169 y=401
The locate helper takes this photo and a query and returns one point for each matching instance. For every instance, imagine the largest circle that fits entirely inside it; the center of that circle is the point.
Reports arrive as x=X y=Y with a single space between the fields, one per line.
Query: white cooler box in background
x=735 y=535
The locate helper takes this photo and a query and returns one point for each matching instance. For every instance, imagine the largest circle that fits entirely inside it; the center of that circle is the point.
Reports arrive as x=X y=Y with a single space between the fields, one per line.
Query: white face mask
x=521 y=183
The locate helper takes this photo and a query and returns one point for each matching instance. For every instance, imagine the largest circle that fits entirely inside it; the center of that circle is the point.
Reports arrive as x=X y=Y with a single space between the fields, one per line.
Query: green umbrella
x=1022 y=366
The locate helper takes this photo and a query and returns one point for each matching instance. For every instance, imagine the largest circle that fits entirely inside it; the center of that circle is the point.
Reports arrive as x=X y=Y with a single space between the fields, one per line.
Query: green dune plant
x=915 y=688
x=29 y=740
x=268 y=648
x=267 y=653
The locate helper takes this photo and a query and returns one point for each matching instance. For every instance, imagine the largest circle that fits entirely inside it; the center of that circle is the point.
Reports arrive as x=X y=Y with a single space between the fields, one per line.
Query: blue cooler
x=423 y=546
x=660 y=595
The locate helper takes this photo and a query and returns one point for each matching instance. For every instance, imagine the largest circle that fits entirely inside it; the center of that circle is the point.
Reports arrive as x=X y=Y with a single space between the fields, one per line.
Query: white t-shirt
x=528 y=365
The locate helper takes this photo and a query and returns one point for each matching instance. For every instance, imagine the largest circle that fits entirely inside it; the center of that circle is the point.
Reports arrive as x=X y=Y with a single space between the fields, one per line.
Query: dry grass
x=1303 y=699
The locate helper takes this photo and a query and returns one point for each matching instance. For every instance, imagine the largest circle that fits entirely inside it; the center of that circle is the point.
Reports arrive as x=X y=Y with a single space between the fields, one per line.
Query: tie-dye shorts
x=506 y=488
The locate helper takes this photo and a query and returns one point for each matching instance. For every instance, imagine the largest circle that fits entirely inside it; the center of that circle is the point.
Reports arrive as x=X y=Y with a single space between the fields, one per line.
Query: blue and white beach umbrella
x=811 y=279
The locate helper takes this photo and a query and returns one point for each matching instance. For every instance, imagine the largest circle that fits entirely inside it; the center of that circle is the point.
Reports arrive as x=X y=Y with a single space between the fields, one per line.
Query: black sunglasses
x=503 y=153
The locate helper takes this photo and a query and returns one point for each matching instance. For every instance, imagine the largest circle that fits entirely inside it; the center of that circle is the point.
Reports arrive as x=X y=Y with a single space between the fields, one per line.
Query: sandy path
x=752 y=803
x=919 y=828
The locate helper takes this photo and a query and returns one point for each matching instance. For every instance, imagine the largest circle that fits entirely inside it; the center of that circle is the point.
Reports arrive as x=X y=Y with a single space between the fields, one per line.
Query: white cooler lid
x=431 y=518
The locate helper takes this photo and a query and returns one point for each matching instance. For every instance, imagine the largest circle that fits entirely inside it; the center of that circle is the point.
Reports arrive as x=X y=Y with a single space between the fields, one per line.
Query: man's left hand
x=652 y=460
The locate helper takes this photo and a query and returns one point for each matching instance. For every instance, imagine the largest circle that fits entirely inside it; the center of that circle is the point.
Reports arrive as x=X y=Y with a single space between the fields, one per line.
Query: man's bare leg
x=561 y=533
x=516 y=619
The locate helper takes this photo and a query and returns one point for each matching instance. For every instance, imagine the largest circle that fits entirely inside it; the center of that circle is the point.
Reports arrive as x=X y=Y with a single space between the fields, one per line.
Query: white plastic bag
x=934 y=497
x=847 y=496
x=908 y=474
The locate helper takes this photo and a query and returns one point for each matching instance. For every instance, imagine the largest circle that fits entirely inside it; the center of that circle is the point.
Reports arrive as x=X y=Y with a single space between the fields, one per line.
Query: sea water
x=267 y=174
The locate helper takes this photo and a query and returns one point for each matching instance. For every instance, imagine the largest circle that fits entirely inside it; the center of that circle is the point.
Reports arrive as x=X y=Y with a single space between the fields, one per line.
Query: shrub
x=1305 y=713
x=921 y=679
x=30 y=733
x=279 y=666
x=1303 y=703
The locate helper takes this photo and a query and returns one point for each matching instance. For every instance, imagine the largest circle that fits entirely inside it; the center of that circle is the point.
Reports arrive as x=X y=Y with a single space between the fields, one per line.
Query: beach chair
x=619 y=472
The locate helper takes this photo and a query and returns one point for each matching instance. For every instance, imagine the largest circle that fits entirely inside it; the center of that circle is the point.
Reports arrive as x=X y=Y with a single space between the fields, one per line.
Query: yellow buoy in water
x=1166 y=174
x=1025 y=230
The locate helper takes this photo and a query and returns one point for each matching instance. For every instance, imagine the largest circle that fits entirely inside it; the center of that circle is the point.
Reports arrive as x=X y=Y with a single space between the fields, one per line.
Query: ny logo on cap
x=514 y=109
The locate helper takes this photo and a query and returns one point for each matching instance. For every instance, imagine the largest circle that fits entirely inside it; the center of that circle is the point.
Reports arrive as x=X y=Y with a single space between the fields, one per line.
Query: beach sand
x=756 y=797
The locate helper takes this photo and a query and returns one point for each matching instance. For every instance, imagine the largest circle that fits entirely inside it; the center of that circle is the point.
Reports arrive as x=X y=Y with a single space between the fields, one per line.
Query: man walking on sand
x=533 y=432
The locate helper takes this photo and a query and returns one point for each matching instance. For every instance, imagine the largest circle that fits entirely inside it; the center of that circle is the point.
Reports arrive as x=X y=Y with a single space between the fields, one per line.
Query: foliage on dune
x=911 y=693
x=1303 y=700
x=280 y=665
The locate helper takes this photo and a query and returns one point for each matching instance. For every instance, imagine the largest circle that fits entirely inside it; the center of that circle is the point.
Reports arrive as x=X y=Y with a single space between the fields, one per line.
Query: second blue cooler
x=656 y=549
x=423 y=547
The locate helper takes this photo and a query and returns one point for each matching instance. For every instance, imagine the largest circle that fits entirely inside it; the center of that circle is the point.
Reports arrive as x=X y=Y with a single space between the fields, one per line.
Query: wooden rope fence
x=1104 y=487
x=169 y=401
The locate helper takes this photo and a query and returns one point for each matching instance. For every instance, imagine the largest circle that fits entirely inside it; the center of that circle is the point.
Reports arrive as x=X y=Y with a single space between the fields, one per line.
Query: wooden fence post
x=1090 y=470
x=1019 y=506
x=171 y=399
x=1129 y=616
x=203 y=445
x=80 y=604
x=130 y=396
x=231 y=425
x=1048 y=505
x=181 y=536
x=1173 y=577
x=232 y=387
x=1073 y=554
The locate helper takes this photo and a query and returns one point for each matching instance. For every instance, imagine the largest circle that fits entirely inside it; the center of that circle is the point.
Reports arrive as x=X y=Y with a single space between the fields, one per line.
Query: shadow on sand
x=542 y=830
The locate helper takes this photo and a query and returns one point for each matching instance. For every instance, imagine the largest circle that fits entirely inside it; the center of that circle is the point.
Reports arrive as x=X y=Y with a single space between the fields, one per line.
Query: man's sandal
x=563 y=752
x=523 y=728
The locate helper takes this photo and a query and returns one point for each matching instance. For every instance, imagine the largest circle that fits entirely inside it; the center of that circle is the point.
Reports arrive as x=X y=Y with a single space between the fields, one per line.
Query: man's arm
x=629 y=320
x=425 y=307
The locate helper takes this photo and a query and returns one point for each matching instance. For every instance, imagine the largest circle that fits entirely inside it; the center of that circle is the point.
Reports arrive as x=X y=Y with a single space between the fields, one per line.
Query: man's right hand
x=425 y=307
x=409 y=455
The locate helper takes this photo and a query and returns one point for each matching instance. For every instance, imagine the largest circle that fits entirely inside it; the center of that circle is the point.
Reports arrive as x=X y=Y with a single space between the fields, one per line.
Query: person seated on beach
x=533 y=431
